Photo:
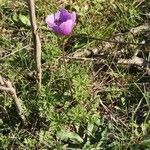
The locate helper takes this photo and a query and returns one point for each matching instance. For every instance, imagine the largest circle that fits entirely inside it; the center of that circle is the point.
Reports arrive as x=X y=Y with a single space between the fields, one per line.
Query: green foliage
x=67 y=135
x=3 y=2
x=107 y=111
x=145 y=144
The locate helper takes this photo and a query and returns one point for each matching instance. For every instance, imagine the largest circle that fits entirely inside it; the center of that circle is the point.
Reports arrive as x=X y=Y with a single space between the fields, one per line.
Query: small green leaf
x=24 y=19
x=67 y=135
x=2 y=2
x=90 y=128
x=145 y=143
x=15 y=17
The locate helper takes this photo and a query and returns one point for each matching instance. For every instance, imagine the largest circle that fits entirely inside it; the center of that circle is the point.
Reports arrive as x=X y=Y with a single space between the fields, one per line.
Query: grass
x=109 y=108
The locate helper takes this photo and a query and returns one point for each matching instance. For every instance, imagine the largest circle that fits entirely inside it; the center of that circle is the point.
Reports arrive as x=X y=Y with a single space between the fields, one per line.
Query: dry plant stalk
x=6 y=86
x=37 y=43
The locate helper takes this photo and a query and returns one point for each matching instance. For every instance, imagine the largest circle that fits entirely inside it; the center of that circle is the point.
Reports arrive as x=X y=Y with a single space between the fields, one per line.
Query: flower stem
x=65 y=69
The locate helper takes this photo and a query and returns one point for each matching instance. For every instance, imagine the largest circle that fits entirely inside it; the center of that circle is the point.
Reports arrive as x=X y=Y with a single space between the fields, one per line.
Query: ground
x=105 y=104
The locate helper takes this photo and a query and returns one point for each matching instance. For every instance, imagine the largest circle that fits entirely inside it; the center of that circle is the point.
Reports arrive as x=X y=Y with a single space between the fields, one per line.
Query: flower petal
x=57 y=15
x=64 y=15
x=73 y=16
x=56 y=29
x=50 y=20
x=66 y=27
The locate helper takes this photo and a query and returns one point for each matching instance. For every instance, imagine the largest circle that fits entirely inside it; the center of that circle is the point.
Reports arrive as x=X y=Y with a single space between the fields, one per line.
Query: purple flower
x=62 y=22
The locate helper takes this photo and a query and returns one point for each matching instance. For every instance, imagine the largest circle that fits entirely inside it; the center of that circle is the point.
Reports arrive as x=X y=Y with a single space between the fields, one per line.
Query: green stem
x=65 y=68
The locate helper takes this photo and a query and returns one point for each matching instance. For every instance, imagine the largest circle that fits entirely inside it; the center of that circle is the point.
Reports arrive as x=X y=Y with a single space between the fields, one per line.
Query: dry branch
x=135 y=60
x=6 y=86
x=139 y=29
x=37 y=43
x=80 y=58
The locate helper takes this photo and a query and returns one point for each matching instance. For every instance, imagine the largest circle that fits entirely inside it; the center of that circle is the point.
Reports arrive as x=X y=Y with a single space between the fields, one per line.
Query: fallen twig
x=139 y=29
x=6 y=86
x=80 y=58
x=37 y=43
x=135 y=60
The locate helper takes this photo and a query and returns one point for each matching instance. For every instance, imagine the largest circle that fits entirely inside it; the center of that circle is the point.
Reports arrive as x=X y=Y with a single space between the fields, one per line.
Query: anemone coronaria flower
x=62 y=22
